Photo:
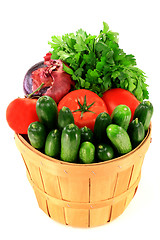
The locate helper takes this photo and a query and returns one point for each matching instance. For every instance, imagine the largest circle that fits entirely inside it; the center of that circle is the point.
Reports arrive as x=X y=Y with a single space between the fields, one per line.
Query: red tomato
x=117 y=96
x=20 y=113
x=88 y=118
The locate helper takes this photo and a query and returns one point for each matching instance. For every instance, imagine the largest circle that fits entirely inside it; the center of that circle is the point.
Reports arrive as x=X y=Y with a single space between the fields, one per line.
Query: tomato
x=20 y=113
x=117 y=96
x=85 y=106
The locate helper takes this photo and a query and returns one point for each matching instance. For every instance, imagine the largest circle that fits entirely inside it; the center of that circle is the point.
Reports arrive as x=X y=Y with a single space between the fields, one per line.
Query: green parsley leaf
x=105 y=27
x=98 y=63
x=67 y=69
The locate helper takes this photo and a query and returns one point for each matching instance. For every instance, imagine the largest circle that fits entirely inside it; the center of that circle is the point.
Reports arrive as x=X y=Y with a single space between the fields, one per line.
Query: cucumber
x=86 y=134
x=37 y=134
x=87 y=152
x=104 y=152
x=144 y=113
x=119 y=138
x=136 y=132
x=70 y=142
x=53 y=143
x=101 y=123
x=47 y=112
x=65 y=117
x=121 y=116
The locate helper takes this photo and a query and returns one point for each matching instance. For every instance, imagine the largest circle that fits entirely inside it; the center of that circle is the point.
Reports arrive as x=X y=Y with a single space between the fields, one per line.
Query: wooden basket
x=83 y=195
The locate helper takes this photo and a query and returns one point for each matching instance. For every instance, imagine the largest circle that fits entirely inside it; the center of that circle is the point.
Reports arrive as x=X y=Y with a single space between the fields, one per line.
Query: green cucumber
x=136 y=132
x=121 y=116
x=47 y=112
x=104 y=152
x=65 y=117
x=53 y=143
x=37 y=134
x=87 y=152
x=101 y=123
x=119 y=138
x=86 y=134
x=144 y=113
x=70 y=142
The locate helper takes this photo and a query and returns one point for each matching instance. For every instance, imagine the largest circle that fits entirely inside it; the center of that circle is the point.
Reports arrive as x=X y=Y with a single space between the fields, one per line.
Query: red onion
x=57 y=82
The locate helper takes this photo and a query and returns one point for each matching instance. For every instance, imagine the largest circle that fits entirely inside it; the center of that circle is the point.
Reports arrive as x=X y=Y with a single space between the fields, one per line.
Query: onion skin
x=62 y=85
x=57 y=82
x=27 y=83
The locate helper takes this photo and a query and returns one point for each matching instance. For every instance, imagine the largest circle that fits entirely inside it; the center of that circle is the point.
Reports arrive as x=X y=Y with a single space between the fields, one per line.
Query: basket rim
x=54 y=160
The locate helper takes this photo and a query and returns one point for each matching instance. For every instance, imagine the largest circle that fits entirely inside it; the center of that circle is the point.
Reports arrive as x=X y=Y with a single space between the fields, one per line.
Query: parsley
x=97 y=63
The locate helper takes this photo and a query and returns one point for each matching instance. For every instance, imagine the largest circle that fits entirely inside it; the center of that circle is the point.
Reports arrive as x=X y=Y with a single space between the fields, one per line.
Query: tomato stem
x=84 y=108
x=31 y=94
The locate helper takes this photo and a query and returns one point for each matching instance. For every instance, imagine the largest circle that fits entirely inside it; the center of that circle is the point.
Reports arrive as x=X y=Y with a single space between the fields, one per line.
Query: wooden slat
x=129 y=197
x=77 y=217
x=100 y=189
x=51 y=184
x=42 y=203
x=34 y=173
x=136 y=170
x=99 y=216
x=52 y=187
x=123 y=180
x=56 y=212
x=74 y=189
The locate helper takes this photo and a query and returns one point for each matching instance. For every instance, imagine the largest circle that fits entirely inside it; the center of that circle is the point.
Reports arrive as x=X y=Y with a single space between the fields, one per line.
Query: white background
x=26 y=28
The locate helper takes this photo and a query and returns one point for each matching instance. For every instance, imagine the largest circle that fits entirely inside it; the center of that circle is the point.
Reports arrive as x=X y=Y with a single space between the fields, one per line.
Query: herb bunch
x=97 y=63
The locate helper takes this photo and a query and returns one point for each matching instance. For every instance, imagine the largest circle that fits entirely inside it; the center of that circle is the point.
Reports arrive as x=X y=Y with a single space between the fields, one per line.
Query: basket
x=83 y=195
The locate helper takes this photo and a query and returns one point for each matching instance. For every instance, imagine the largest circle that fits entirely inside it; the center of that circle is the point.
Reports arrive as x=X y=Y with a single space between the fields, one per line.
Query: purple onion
x=27 y=82
x=60 y=83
